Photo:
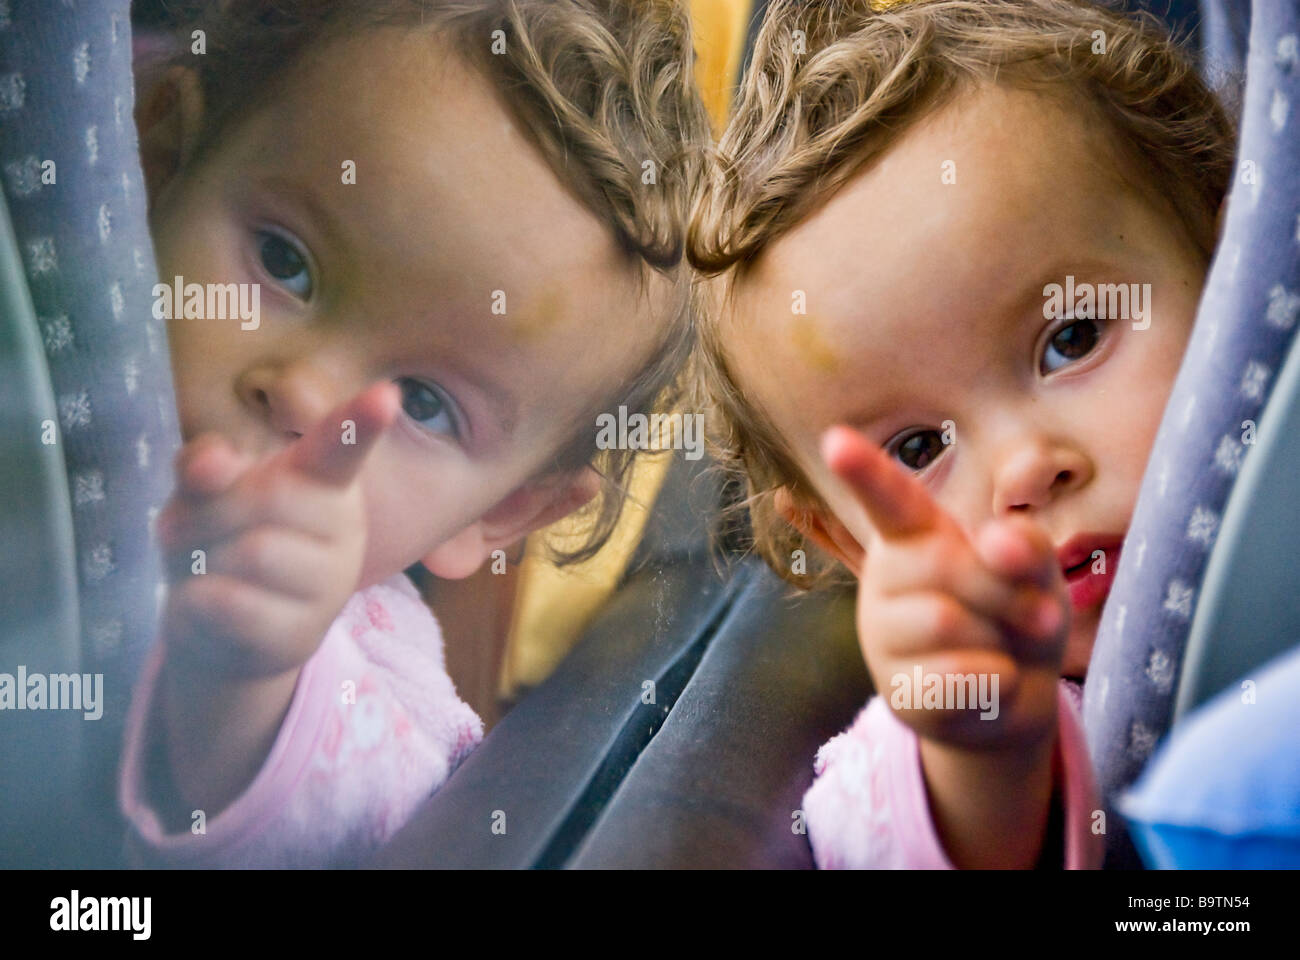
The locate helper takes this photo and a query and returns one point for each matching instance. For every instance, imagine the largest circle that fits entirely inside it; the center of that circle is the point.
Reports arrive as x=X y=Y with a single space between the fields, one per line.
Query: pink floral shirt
x=868 y=807
x=374 y=728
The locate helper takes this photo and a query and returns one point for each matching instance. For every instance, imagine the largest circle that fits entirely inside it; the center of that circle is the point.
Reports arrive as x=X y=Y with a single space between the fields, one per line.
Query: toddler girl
x=960 y=248
x=439 y=207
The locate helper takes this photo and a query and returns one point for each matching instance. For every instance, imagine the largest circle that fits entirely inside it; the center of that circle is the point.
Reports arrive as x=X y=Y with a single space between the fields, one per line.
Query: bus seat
x=720 y=785
x=90 y=420
x=1236 y=694
x=1172 y=632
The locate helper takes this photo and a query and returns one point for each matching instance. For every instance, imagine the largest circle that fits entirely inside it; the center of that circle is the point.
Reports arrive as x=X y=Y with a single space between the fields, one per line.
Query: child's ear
x=821 y=528
x=167 y=118
x=535 y=505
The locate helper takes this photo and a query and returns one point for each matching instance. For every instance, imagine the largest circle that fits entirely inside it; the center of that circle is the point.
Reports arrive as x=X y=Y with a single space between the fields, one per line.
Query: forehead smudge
x=806 y=336
x=539 y=316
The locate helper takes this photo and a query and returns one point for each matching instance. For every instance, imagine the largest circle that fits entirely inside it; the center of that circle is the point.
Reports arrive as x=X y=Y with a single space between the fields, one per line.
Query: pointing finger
x=1018 y=549
x=207 y=465
x=333 y=450
x=897 y=504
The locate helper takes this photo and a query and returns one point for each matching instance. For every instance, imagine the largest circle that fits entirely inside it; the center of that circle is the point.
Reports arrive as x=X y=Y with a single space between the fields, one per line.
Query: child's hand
x=283 y=542
x=929 y=597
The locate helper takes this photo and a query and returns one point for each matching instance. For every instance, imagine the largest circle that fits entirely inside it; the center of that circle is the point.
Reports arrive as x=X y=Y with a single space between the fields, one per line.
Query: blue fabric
x=1224 y=791
x=1245 y=327
x=66 y=95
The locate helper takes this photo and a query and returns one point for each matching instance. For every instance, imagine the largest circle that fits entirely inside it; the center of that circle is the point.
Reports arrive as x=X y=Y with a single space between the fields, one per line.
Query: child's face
x=395 y=277
x=925 y=304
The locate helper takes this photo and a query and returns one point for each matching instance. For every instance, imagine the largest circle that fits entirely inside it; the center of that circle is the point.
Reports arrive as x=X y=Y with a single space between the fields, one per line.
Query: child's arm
x=932 y=603
x=219 y=732
x=255 y=672
x=269 y=729
x=261 y=558
x=989 y=810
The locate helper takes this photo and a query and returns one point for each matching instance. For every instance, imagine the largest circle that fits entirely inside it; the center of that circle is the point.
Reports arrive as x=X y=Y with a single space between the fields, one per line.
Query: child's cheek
x=413 y=504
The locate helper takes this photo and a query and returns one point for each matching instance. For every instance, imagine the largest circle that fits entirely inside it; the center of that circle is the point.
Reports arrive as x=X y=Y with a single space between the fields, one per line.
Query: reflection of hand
x=284 y=541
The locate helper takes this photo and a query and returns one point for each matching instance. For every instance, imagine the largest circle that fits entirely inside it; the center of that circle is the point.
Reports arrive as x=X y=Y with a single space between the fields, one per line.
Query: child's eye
x=428 y=406
x=1070 y=343
x=918 y=450
x=284 y=261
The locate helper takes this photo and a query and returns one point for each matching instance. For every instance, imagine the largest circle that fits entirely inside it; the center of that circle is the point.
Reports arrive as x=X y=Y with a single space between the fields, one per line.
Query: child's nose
x=1036 y=473
x=288 y=398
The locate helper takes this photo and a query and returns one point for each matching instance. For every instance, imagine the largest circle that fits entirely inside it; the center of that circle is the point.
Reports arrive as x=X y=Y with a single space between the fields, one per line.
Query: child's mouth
x=1089 y=580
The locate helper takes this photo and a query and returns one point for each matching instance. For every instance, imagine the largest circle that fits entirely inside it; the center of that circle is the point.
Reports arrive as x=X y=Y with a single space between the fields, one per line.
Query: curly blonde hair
x=601 y=87
x=834 y=83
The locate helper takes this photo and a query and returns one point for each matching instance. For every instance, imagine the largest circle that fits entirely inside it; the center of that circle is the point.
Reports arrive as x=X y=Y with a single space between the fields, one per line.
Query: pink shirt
x=868 y=807
x=374 y=728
